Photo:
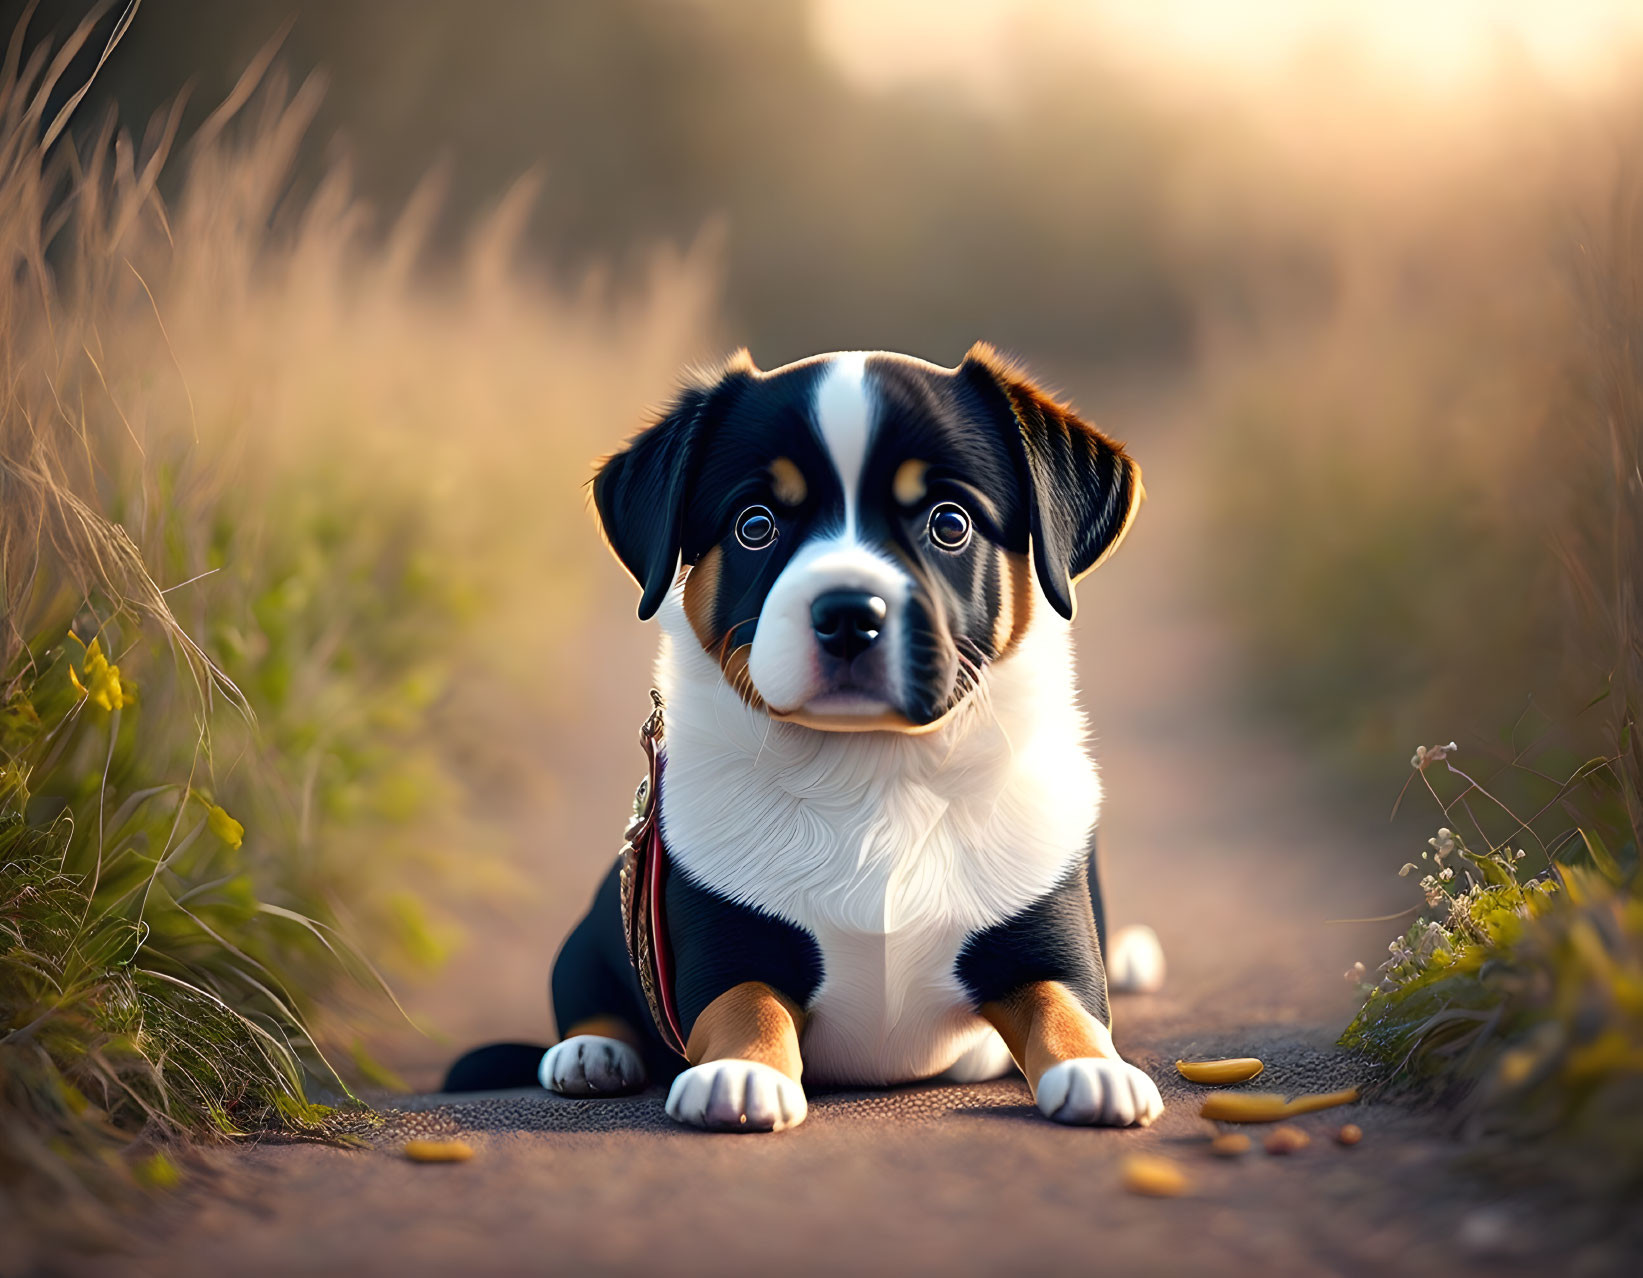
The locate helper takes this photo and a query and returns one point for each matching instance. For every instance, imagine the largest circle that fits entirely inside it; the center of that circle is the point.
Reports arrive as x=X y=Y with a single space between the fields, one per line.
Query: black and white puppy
x=879 y=808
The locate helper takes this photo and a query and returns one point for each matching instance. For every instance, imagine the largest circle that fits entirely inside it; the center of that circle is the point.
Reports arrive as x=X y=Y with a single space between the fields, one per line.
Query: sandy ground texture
x=918 y=1180
x=1215 y=832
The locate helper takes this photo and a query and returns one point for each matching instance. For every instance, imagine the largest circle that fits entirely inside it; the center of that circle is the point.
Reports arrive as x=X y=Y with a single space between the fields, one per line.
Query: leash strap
x=644 y=881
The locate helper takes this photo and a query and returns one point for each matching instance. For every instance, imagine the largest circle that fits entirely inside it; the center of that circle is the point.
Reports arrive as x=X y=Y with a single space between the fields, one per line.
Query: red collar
x=644 y=885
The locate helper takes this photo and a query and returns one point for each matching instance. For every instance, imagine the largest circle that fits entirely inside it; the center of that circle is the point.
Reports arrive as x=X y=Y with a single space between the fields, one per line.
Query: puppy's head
x=858 y=534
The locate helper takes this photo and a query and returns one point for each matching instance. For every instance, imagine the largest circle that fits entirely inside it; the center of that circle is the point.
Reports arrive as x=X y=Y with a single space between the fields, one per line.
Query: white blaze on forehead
x=844 y=409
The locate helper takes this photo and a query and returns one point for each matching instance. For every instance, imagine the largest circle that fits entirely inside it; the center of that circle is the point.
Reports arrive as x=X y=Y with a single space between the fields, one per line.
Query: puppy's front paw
x=1095 y=1091
x=736 y=1096
x=591 y=1065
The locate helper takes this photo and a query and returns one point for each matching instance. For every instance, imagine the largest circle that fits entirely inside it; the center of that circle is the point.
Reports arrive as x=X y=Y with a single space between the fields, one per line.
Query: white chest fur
x=890 y=849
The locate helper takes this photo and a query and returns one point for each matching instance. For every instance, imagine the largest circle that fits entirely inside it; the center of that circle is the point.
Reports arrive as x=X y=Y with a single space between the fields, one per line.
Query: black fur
x=593 y=976
x=495 y=1067
x=1083 y=486
x=715 y=946
x=1058 y=937
x=718 y=944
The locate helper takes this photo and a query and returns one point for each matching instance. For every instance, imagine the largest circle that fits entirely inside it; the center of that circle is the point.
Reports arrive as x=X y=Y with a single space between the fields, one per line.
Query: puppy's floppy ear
x=640 y=491
x=1084 y=490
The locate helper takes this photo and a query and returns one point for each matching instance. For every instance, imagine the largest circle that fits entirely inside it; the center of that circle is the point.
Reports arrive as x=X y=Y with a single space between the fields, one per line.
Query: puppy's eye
x=950 y=526
x=756 y=527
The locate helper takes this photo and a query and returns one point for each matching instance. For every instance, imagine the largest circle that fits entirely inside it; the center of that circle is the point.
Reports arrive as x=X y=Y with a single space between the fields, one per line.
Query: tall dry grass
x=1429 y=383
x=1394 y=375
x=292 y=529
x=1603 y=543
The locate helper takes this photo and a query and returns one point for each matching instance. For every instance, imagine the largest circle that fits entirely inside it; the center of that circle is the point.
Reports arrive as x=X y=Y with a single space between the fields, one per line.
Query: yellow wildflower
x=224 y=826
x=103 y=685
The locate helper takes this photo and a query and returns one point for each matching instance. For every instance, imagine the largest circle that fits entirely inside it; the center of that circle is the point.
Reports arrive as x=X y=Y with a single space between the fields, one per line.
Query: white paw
x=1095 y=1091
x=1135 y=961
x=736 y=1096
x=591 y=1065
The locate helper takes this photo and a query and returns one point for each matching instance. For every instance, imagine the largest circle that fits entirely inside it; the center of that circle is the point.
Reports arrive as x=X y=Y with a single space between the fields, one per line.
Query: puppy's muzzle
x=847 y=622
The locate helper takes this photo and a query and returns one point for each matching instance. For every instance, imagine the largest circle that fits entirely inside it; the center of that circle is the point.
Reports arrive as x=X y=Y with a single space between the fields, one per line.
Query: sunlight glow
x=1432 y=45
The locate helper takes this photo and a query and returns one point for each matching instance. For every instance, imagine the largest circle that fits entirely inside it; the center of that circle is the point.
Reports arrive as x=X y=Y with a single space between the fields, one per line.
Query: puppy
x=873 y=804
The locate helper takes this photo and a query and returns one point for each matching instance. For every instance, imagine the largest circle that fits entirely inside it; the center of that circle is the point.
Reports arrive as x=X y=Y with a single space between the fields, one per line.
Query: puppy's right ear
x=640 y=492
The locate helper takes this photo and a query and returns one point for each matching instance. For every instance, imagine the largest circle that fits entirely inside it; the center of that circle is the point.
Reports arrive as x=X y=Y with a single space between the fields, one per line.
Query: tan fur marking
x=702 y=597
x=607 y=1027
x=1015 y=605
x=750 y=1022
x=908 y=485
x=787 y=482
x=734 y=664
x=1043 y=1024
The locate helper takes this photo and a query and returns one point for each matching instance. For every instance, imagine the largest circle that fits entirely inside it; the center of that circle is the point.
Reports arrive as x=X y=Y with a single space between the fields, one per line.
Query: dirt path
x=1214 y=832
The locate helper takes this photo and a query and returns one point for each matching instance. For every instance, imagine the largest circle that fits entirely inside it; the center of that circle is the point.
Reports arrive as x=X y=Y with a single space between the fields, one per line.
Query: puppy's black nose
x=847 y=621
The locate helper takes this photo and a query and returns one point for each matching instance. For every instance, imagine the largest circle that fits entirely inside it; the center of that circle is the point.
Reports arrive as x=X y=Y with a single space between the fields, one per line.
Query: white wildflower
x=1425 y=756
x=1446 y=874
x=1435 y=938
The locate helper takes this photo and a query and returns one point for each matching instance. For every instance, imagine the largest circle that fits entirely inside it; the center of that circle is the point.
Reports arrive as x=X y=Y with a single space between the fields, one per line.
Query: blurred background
x=1343 y=276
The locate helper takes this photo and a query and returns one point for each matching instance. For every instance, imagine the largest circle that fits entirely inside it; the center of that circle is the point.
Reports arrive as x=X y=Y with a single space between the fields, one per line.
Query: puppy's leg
x=745 y=1064
x=1067 y=1055
x=598 y=1057
x=598 y=1005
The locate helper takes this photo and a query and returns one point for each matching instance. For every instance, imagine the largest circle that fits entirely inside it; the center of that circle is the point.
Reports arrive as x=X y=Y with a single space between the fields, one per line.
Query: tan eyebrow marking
x=909 y=486
x=787 y=482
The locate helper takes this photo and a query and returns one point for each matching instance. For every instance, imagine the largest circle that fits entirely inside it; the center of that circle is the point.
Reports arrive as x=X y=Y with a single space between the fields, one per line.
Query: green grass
x=166 y=929
x=281 y=560
x=1516 y=995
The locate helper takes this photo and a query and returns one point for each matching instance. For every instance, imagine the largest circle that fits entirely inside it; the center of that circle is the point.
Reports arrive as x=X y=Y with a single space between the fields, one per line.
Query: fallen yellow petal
x=438 y=1151
x=1229 y=1145
x=1324 y=1100
x=1239 y=1069
x=1268 y=1107
x=1153 y=1177
x=1244 y=1107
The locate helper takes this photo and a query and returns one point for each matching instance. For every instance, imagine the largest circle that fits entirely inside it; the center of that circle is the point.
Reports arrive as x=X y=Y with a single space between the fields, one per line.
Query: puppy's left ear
x=640 y=492
x=1084 y=489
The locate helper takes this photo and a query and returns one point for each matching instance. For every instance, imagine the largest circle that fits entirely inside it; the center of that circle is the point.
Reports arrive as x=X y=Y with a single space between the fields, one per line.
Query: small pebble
x=1230 y=1145
x=1153 y=1177
x=1287 y=1140
x=438 y=1151
x=1350 y=1134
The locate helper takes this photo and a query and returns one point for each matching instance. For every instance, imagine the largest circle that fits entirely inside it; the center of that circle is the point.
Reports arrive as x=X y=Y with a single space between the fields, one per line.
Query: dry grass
x=284 y=518
x=1458 y=441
